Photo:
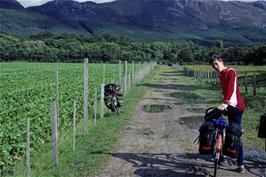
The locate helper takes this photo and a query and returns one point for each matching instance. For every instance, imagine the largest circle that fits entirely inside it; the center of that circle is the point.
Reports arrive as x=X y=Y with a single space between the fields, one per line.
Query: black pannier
x=262 y=127
x=232 y=140
x=207 y=131
x=110 y=89
x=206 y=138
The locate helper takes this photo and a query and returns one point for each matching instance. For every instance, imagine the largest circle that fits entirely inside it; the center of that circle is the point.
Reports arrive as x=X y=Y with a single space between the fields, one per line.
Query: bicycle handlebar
x=215 y=115
x=215 y=110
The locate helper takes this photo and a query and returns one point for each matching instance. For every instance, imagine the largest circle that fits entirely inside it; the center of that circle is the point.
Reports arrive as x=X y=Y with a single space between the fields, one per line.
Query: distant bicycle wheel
x=115 y=106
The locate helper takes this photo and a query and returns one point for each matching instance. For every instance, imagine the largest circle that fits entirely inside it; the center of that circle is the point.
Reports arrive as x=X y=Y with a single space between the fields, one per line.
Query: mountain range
x=197 y=20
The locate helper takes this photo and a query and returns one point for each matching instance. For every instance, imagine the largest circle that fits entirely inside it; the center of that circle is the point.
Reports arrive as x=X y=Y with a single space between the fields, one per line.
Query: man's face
x=218 y=65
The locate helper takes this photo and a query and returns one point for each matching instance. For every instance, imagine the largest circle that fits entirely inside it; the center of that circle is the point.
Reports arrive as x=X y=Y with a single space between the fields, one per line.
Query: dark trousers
x=235 y=115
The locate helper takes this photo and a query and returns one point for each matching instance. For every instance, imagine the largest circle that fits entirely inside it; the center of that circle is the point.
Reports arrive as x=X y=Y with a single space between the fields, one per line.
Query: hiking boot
x=240 y=169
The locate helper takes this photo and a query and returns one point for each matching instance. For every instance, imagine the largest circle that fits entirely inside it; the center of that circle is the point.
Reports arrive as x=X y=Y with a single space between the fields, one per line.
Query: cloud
x=27 y=3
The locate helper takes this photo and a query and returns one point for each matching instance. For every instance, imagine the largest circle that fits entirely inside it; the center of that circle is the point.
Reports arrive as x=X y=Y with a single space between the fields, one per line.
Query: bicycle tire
x=117 y=110
x=115 y=107
x=216 y=161
x=217 y=153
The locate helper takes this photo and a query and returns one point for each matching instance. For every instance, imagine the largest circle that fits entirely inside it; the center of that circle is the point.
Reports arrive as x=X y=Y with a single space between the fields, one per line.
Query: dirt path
x=159 y=144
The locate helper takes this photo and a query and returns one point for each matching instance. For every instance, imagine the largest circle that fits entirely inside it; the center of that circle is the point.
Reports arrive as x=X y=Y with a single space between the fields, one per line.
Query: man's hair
x=215 y=57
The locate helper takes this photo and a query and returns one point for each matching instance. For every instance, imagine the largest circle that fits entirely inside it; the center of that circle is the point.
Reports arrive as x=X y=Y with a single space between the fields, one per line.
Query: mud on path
x=159 y=144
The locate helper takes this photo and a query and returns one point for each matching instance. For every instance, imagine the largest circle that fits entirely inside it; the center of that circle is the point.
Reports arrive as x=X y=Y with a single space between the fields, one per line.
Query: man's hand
x=222 y=106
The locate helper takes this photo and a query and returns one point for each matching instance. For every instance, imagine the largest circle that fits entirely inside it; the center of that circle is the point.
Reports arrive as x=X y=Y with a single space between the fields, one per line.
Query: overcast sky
x=27 y=3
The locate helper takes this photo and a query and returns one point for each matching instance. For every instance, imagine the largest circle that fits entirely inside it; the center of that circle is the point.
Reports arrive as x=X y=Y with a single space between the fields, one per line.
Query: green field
x=27 y=91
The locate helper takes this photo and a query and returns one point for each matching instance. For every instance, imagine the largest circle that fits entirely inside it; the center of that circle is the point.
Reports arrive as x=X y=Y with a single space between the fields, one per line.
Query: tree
x=185 y=55
x=261 y=56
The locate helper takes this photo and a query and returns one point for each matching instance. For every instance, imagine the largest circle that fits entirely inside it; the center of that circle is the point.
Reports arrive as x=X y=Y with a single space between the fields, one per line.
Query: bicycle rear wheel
x=117 y=110
x=115 y=106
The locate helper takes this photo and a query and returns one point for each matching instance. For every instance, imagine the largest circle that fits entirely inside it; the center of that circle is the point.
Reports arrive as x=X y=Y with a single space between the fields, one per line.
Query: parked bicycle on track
x=112 y=97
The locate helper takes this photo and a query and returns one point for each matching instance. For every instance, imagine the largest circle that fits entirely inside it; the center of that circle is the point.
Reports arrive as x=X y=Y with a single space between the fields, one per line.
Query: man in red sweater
x=233 y=101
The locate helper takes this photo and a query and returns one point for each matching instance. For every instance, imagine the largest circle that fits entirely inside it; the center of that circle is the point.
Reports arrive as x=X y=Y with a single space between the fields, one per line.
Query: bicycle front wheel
x=216 y=161
x=115 y=106
x=218 y=147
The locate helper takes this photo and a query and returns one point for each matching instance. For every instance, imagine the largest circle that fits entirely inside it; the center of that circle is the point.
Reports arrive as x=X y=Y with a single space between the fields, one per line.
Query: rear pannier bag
x=262 y=127
x=206 y=138
x=232 y=140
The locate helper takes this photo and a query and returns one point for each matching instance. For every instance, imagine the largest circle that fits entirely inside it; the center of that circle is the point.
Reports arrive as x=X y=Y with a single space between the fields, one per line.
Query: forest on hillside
x=70 y=47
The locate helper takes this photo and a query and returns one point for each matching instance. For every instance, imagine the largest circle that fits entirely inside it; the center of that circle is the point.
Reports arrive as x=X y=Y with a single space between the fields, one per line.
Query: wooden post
x=254 y=84
x=28 y=149
x=125 y=79
x=133 y=73
x=103 y=72
x=54 y=134
x=246 y=83
x=119 y=73
x=74 y=125
x=140 y=71
x=95 y=106
x=129 y=82
x=102 y=100
x=85 y=97
x=57 y=95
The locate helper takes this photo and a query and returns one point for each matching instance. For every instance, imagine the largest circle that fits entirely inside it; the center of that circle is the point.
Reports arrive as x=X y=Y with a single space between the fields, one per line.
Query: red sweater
x=229 y=84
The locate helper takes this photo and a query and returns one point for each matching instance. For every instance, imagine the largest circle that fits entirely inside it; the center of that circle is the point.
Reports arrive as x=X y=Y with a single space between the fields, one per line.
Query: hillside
x=24 y=22
x=203 y=21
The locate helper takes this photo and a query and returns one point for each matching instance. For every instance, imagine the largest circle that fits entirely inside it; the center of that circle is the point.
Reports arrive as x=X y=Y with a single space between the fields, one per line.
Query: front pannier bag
x=232 y=140
x=206 y=138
